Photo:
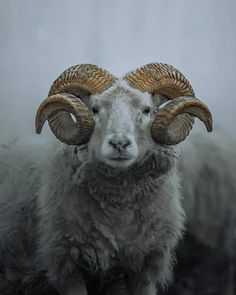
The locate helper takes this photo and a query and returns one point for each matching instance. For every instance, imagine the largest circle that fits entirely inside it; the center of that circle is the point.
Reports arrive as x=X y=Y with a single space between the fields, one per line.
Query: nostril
x=112 y=143
x=118 y=144
x=126 y=143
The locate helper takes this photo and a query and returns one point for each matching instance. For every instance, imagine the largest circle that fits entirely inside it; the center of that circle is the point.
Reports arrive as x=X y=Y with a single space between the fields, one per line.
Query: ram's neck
x=124 y=188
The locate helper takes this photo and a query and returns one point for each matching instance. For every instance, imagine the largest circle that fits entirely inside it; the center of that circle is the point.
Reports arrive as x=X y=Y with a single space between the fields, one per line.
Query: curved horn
x=54 y=109
x=86 y=77
x=174 y=121
x=63 y=99
x=160 y=78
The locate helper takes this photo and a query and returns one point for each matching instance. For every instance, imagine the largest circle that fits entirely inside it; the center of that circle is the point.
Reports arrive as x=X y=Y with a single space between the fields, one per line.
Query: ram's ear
x=159 y=99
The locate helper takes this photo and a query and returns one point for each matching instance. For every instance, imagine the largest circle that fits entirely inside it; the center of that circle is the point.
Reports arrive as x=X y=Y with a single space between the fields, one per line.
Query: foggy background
x=40 y=39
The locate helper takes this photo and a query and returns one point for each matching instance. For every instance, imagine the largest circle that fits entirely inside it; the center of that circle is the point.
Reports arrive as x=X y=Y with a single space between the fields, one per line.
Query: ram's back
x=208 y=172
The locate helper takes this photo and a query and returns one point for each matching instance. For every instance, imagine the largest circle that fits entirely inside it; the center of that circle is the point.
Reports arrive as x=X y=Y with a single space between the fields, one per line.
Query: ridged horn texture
x=63 y=100
x=54 y=109
x=174 y=121
x=160 y=78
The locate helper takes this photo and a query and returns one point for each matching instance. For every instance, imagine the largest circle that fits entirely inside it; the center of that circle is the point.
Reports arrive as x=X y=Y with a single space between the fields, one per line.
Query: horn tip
x=210 y=127
x=38 y=126
x=38 y=129
x=209 y=123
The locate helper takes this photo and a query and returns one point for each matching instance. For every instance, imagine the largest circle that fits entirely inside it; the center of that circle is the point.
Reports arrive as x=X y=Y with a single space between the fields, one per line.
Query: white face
x=122 y=132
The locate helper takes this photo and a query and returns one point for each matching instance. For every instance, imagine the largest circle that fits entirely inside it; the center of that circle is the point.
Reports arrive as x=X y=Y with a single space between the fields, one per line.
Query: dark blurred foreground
x=202 y=271
x=199 y=271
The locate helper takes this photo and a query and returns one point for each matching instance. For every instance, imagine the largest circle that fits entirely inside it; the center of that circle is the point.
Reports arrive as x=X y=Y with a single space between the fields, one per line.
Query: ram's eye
x=95 y=110
x=146 y=111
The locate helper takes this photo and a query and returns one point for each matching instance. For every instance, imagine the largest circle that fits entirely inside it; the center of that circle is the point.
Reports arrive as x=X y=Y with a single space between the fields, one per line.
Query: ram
x=105 y=207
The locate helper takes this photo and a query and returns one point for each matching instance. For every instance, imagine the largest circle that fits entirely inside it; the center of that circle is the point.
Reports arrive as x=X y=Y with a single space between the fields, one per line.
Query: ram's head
x=121 y=119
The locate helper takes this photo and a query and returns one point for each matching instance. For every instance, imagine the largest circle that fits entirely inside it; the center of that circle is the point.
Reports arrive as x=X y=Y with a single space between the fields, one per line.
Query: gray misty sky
x=40 y=39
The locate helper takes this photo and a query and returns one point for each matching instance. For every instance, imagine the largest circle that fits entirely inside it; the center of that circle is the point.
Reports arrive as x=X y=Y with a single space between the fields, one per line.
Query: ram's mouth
x=119 y=159
x=120 y=162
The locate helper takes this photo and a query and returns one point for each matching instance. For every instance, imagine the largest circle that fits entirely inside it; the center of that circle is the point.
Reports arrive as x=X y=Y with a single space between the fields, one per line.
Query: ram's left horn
x=174 y=121
x=160 y=78
x=64 y=127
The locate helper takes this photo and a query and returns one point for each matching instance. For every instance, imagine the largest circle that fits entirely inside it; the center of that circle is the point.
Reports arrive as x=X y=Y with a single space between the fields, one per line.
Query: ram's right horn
x=174 y=121
x=64 y=99
x=53 y=109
